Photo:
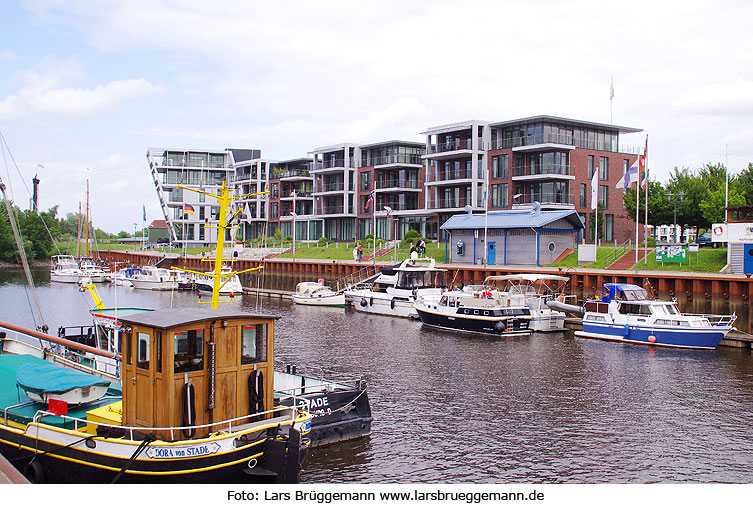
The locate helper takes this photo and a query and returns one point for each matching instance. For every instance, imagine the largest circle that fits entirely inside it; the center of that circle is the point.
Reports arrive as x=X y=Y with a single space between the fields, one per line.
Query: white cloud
x=42 y=93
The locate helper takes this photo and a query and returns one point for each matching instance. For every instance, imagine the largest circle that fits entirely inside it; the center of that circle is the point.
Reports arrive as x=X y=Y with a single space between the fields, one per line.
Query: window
x=500 y=195
x=128 y=350
x=609 y=229
x=253 y=344
x=604 y=197
x=501 y=167
x=603 y=168
x=590 y=167
x=583 y=195
x=189 y=350
x=142 y=352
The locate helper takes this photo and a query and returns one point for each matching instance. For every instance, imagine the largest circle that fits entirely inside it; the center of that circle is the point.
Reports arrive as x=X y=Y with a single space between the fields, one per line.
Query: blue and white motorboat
x=629 y=313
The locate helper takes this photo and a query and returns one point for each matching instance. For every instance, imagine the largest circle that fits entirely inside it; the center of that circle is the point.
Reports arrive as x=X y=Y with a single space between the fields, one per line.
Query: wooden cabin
x=215 y=352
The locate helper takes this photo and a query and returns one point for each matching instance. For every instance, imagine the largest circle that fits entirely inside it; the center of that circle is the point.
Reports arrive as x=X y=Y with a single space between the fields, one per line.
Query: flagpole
x=373 y=211
x=645 y=223
x=486 y=221
x=637 y=218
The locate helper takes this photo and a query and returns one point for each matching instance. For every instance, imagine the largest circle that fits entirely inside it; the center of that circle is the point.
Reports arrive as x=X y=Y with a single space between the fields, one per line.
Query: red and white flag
x=642 y=165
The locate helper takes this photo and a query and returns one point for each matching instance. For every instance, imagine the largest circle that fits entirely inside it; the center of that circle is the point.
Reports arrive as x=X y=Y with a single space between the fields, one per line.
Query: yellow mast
x=223 y=224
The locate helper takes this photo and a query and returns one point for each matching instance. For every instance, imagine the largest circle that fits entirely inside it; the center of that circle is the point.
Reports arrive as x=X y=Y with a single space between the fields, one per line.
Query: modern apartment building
x=187 y=212
x=417 y=186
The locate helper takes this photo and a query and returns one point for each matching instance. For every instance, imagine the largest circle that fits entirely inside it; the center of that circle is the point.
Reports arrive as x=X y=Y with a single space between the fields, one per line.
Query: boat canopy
x=48 y=378
x=538 y=283
x=624 y=291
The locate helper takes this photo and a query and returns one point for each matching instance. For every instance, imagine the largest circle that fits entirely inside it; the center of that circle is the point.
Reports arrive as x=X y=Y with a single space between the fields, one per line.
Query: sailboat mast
x=87 y=218
x=78 y=234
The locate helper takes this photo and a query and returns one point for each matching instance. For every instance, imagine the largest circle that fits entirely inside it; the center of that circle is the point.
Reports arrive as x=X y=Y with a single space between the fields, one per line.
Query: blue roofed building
x=514 y=237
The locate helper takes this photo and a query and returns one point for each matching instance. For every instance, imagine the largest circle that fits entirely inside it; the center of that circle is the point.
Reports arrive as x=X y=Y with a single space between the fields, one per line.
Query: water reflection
x=450 y=408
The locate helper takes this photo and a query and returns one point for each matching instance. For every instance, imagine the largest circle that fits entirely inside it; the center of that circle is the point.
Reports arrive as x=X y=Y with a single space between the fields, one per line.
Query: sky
x=86 y=86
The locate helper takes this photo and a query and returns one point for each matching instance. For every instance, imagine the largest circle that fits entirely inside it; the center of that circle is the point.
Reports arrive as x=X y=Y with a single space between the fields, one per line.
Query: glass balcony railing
x=561 y=199
x=520 y=171
x=450 y=175
x=410 y=159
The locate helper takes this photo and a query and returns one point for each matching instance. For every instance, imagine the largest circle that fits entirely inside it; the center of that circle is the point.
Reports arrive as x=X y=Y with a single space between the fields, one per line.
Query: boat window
x=672 y=309
x=443 y=301
x=595 y=318
x=254 y=343
x=142 y=354
x=189 y=350
x=158 y=349
x=634 y=309
x=128 y=350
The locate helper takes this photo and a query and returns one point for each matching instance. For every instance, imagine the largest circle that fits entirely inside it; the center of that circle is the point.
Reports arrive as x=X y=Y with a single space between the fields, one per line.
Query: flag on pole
x=595 y=189
x=293 y=195
x=643 y=159
x=611 y=90
x=372 y=196
x=188 y=209
x=144 y=206
x=631 y=176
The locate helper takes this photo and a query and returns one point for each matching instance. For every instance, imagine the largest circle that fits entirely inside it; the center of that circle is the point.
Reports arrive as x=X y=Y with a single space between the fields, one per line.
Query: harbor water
x=545 y=408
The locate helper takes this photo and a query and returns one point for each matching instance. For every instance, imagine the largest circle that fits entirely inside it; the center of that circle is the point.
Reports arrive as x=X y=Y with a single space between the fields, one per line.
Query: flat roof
x=510 y=219
x=332 y=148
x=547 y=118
x=175 y=317
x=394 y=142
x=454 y=126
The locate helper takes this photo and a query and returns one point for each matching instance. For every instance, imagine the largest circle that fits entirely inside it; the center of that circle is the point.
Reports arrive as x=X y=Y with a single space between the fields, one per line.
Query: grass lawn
x=706 y=260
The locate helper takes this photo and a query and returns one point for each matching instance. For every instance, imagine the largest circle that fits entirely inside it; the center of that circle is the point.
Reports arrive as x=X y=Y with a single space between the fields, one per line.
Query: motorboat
x=230 y=284
x=64 y=269
x=485 y=312
x=317 y=294
x=629 y=313
x=123 y=276
x=184 y=279
x=533 y=291
x=338 y=402
x=154 y=278
x=394 y=289
x=91 y=271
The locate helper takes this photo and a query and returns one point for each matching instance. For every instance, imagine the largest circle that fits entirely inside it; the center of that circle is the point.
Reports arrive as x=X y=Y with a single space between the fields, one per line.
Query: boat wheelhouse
x=629 y=313
x=197 y=405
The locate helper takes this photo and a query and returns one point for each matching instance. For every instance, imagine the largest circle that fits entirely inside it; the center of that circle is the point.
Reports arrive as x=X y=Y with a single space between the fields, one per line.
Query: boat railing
x=256 y=421
x=322 y=377
x=718 y=320
x=359 y=277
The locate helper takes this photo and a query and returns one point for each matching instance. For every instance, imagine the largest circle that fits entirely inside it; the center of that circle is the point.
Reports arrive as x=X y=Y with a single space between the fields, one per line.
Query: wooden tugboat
x=196 y=403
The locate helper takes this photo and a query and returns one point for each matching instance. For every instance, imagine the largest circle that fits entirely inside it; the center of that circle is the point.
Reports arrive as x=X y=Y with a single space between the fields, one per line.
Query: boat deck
x=21 y=409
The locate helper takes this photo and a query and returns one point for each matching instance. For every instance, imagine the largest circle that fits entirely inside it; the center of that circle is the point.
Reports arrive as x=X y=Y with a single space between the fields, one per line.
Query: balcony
x=297 y=174
x=333 y=164
x=459 y=174
x=397 y=184
x=521 y=173
x=547 y=200
x=305 y=195
x=334 y=188
x=564 y=141
x=446 y=203
x=457 y=146
x=398 y=159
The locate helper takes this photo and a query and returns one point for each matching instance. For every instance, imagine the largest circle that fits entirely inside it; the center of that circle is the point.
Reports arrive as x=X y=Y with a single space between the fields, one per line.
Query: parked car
x=705 y=239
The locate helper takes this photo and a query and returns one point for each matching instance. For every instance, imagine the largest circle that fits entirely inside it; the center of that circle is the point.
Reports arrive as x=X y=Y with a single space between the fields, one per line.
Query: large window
x=604 y=196
x=500 y=195
x=603 y=168
x=501 y=167
x=609 y=229
x=253 y=344
x=590 y=167
x=583 y=195
x=188 y=349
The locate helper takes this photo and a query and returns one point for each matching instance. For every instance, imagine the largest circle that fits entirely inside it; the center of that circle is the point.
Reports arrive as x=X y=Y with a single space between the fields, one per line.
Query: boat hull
x=68 y=279
x=154 y=285
x=325 y=300
x=699 y=338
x=491 y=325
x=383 y=304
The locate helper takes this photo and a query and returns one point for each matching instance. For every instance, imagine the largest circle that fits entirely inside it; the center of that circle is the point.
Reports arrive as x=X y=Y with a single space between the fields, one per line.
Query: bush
x=323 y=240
x=411 y=235
x=369 y=237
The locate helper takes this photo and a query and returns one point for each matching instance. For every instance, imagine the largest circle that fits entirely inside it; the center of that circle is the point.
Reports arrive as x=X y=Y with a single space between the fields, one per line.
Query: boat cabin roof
x=176 y=317
x=624 y=291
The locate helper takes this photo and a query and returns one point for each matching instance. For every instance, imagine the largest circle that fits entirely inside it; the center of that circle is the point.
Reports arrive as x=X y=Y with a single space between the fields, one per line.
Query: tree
x=592 y=221
x=659 y=209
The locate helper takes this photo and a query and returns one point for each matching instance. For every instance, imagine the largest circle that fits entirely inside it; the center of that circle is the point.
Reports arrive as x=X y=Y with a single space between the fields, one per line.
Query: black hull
x=493 y=326
x=336 y=416
x=277 y=461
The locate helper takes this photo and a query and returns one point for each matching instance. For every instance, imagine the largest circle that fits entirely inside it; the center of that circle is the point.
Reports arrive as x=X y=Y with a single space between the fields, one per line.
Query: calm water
x=447 y=408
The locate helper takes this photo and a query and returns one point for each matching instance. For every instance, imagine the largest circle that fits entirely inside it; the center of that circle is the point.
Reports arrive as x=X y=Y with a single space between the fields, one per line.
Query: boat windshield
x=422 y=279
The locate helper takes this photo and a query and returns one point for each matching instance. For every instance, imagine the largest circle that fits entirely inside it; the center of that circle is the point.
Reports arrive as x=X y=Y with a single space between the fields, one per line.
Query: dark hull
x=336 y=416
x=45 y=462
x=492 y=325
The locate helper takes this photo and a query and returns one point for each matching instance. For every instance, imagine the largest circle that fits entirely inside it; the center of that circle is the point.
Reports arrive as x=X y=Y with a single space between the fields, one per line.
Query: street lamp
x=672 y=198
x=389 y=215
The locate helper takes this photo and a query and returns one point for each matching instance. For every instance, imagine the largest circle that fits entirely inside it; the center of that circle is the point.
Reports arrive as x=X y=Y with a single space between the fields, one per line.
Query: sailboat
x=196 y=405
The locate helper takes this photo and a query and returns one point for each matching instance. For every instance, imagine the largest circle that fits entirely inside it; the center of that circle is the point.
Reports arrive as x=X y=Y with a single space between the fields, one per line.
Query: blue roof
x=512 y=219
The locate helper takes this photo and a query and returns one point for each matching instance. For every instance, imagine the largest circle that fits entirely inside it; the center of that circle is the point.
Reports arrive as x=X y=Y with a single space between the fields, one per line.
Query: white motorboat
x=532 y=291
x=123 y=276
x=90 y=270
x=64 y=269
x=395 y=289
x=154 y=278
x=317 y=294
x=230 y=284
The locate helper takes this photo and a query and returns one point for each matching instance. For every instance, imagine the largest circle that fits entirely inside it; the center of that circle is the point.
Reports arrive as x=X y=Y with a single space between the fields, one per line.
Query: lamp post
x=672 y=199
x=389 y=216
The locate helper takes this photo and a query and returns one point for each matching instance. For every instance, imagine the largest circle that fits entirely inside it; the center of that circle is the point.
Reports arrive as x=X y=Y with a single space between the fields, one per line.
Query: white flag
x=595 y=189
x=611 y=90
